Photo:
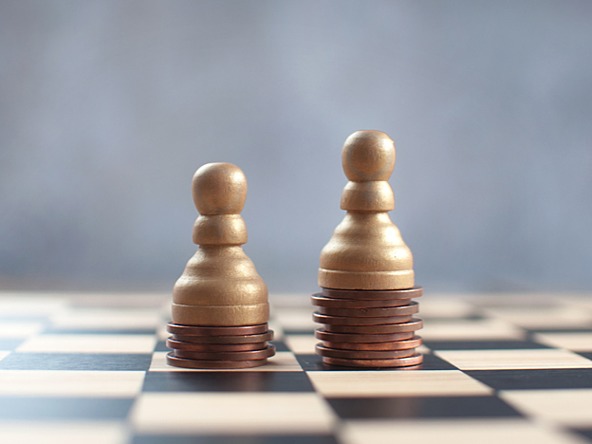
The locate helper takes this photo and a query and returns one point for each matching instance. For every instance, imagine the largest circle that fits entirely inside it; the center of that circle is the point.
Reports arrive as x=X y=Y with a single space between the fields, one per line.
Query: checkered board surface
x=91 y=368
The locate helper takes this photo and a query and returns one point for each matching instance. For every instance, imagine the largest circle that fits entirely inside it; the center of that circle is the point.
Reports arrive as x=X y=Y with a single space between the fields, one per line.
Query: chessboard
x=90 y=368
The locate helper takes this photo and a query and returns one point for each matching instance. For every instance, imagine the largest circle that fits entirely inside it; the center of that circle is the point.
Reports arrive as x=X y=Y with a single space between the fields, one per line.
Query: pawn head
x=219 y=188
x=368 y=156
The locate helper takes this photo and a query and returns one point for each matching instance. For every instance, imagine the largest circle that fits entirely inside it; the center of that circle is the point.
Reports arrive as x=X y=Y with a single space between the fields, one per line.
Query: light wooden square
x=444 y=306
x=295 y=319
x=17 y=330
x=301 y=344
x=60 y=383
x=277 y=328
x=89 y=344
x=413 y=383
x=482 y=431
x=91 y=319
x=566 y=407
x=232 y=413
x=574 y=341
x=543 y=317
x=31 y=304
x=96 y=432
x=513 y=359
x=470 y=330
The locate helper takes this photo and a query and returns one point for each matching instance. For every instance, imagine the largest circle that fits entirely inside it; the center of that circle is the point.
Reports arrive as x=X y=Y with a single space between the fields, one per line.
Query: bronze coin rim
x=413 y=325
x=361 y=338
x=362 y=354
x=377 y=363
x=371 y=312
x=195 y=364
x=350 y=320
x=174 y=344
x=253 y=355
x=414 y=342
x=319 y=300
x=377 y=295
x=245 y=339
x=199 y=330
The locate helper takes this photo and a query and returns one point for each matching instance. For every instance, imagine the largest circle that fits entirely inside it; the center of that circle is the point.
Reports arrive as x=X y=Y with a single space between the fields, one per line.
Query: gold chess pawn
x=366 y=251
x=220 y=285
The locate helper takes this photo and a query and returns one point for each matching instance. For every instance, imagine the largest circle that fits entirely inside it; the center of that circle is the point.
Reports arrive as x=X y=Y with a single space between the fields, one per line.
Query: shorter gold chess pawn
x=220 y=309
x=366 y=251
x=220 y=285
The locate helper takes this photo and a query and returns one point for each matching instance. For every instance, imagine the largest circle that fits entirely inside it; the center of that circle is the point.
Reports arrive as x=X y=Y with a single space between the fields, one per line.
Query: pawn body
x=366 y=251
x=220 y=285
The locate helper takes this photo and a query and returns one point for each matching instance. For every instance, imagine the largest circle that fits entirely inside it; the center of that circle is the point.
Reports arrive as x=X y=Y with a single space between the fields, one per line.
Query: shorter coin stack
x=368 y=328
x=219 y=347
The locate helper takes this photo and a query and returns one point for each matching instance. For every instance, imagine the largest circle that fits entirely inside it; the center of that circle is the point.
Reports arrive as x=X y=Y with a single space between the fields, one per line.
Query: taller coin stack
x=220 y=308
x=366 y=271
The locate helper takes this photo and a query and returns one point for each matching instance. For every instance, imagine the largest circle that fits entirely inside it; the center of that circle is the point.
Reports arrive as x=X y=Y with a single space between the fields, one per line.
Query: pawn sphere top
x=368 y=156
x=219 y=188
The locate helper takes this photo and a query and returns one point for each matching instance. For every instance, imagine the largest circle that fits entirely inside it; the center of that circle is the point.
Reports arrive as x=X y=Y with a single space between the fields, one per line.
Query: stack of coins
x=365 y=328
x=219 y=347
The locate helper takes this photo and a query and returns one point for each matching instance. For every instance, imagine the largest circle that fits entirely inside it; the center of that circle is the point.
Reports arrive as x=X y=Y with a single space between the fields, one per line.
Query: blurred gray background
x=108 y=107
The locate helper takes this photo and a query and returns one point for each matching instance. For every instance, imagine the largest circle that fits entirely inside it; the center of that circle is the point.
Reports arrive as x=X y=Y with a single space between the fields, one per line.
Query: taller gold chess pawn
x=220 y=303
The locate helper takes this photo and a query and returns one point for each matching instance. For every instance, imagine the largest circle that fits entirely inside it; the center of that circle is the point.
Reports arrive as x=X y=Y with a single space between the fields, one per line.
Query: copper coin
x=362 y=354
x=180 y=345
x=227 y=356
x=406 y=344
x=413 y=325
x=396 y=362
x=199 y=330
x=376 y=295
x=323 y=301
x=353 y=338
x=372 y=312
x=193 y=363
x=350 y=320
x=245 y=339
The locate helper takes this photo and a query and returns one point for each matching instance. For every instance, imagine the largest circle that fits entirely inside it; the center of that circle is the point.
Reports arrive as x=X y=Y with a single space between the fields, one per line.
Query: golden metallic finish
x=220 y=284
x=220 y=273
x=219 y=188
x=225 y=315
x=366 y=251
